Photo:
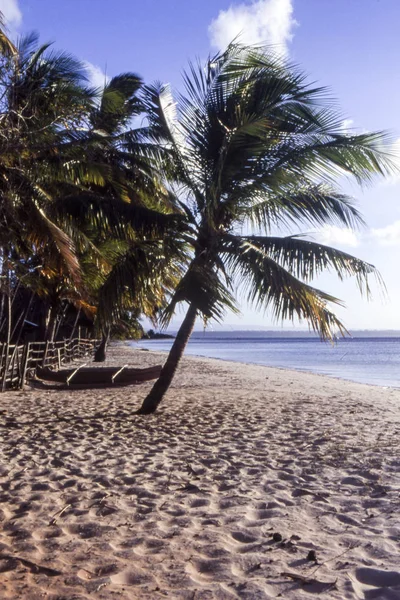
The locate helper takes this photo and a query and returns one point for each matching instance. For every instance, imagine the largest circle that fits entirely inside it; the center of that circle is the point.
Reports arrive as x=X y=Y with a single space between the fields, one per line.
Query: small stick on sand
x=32 y=566
x=307 y=580
x=333 y=558
x=58 y=514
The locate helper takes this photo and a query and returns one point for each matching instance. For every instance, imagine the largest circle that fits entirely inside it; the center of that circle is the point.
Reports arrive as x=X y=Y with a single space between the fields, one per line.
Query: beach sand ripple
x=249 y=482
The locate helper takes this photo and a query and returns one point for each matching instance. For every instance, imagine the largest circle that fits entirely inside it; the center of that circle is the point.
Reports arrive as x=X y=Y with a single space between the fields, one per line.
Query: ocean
x=365 y=359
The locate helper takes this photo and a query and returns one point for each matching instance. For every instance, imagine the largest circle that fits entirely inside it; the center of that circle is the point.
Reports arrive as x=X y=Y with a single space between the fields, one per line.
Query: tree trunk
x=7 y=357
x=162 y=384
x=78 y=314
x=24 y=316
x=59 y=320
x=3 y=296
x=51 y=323
x=100 y=354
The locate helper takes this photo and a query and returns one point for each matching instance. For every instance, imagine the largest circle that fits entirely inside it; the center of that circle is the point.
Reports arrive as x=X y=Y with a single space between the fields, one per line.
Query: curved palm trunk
x=100 y=354
x=162 y=384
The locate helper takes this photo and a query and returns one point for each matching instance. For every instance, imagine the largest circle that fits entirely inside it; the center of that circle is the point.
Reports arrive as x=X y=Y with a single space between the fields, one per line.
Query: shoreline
x=292 y=370
x=244 y=476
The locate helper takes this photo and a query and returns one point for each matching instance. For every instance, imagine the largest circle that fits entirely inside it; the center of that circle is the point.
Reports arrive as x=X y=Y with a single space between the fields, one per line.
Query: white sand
x=184 y=504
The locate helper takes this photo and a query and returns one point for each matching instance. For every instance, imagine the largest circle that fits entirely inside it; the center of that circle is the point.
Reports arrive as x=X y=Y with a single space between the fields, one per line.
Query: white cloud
x=11 y=12
x=381 y=236
x=330 y=235
x=347 y=126
x=387 y=236
x=258 y=22
x=97 y=77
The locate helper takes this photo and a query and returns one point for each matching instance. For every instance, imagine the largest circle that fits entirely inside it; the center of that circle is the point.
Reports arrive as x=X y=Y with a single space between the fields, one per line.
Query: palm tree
x=128 y=210
x=73 y=174
x=252 y=148
x=41 y=93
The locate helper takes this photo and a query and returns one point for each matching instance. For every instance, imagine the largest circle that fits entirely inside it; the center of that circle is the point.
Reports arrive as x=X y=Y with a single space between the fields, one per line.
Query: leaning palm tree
x=252 y=148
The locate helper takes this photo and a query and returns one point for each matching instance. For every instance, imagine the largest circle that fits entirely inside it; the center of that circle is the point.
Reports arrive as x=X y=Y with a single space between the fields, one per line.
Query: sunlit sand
x=249 y=482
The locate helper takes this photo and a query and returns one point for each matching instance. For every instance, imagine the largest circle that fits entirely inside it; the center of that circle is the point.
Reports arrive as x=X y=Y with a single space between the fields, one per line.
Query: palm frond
x=306 y=259
x=140 y=280
x=312 y=205
x=201 y=287
x=119 y=103
x=268 y=285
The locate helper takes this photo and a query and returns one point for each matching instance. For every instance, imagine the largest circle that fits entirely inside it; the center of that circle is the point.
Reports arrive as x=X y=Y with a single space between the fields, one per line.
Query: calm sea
x=374 y=360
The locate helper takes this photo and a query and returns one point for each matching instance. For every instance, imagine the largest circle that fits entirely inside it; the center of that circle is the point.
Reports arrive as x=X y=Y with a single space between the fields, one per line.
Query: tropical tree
x=128 y=211
x=74 y=172
x=41 y=95
x=252 y=148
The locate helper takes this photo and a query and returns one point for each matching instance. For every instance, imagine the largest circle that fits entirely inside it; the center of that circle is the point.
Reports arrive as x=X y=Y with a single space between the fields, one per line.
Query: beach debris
x=351 y=547
x=277 y=537
x=59 y=513
x=291 y=546
x=33 y=567
x=312 y=556
x=307 y=580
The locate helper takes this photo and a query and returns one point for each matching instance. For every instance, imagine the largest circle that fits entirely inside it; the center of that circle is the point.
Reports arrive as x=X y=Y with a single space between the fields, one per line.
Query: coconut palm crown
x=81 y=208
x=252 y=148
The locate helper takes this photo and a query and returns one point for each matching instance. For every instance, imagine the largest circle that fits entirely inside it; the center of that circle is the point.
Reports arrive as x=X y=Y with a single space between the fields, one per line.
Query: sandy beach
x=249 y=482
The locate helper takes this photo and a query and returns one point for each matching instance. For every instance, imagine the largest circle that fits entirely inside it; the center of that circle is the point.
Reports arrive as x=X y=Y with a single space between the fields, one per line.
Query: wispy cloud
x=331 y=235
x=97 y=77
x=347 y=126
x=12 y=13
x=380 y=236
x=387 y=236
x=263 y=21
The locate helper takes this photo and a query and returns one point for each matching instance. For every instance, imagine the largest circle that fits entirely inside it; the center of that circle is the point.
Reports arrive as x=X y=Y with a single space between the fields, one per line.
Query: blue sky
x=352 y=46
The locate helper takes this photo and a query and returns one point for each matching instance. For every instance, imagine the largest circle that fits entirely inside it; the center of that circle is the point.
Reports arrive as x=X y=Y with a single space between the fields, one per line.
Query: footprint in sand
x=132 y=577
x=198 y=502
x=372 y=584
x=208 y=569
x=243 y=537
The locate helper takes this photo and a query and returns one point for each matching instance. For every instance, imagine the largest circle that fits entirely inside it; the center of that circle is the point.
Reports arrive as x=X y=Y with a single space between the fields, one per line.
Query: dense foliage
x=82 y=210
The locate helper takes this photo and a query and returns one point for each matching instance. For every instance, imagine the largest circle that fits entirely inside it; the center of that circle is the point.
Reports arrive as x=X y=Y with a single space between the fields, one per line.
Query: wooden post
x=19 y=362
x=6 y=367
x=45 y=354
x=59 y=357
x=24 y=366
x=2 y=358
x=12 y=364
x=53 y=354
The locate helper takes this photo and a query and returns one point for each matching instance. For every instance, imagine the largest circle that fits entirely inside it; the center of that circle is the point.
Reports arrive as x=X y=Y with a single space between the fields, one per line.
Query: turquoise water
x=373 y=360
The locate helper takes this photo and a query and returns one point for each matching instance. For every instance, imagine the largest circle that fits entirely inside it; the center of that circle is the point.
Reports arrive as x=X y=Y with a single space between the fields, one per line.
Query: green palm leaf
x=269 y=285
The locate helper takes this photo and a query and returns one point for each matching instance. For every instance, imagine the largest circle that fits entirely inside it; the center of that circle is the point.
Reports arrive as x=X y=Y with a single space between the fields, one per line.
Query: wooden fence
x=20 y=362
